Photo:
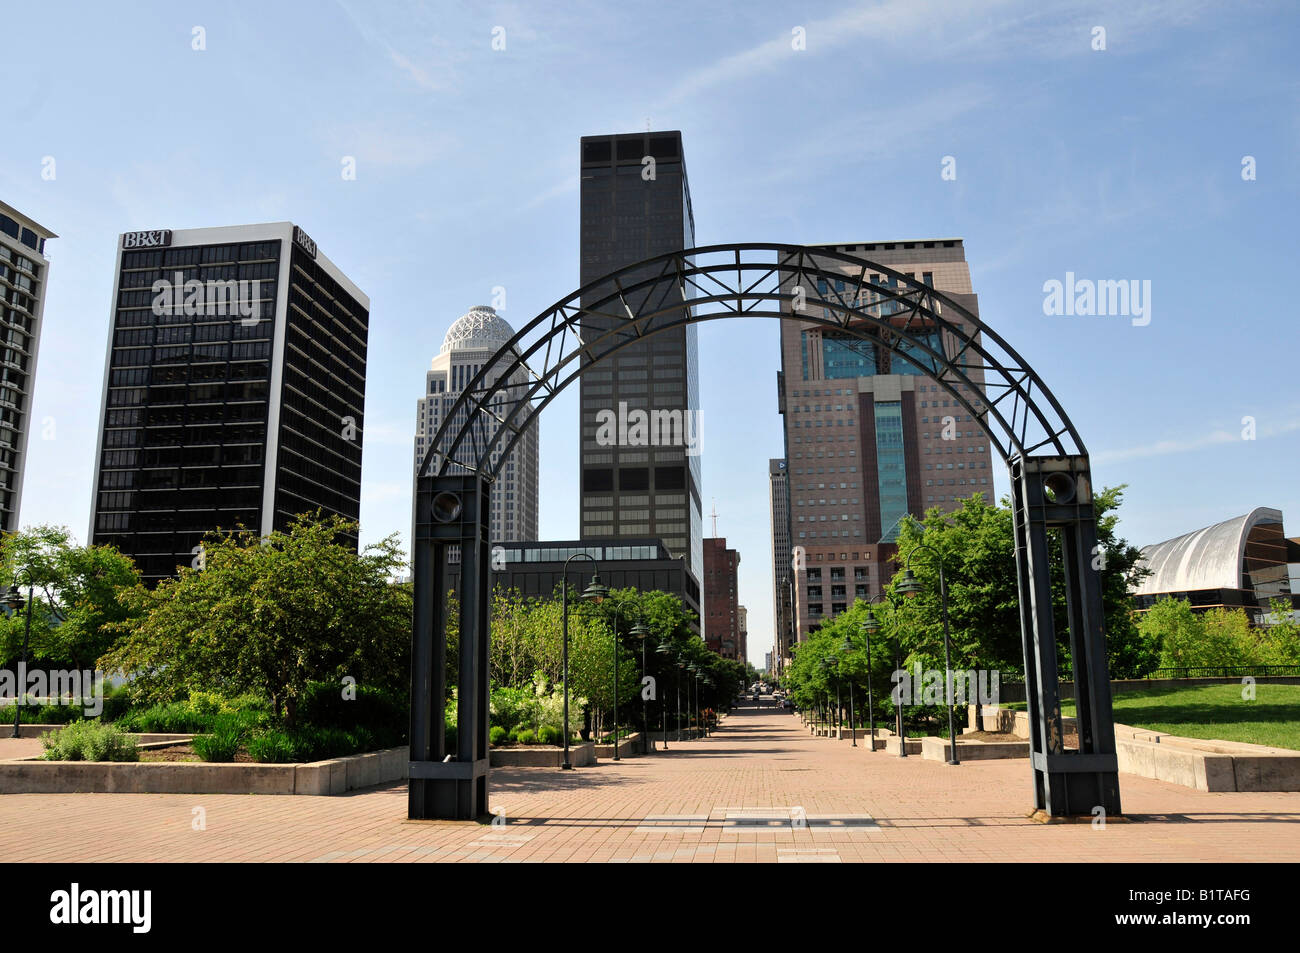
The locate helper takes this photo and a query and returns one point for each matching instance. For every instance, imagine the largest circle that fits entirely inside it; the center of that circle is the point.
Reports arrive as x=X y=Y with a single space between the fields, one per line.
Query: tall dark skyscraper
x=23 y=273
x=636 y=203
x=234 y=390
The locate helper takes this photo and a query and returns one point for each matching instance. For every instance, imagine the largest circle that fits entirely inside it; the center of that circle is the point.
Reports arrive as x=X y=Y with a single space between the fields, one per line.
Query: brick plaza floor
x=761 y=789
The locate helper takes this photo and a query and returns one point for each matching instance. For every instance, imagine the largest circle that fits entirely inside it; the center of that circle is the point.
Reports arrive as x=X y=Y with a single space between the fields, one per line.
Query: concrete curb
x=542 y=756
x=336 y=776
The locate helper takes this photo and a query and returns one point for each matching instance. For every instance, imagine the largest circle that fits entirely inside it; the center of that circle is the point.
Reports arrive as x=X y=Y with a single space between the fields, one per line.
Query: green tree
x=1175 y=630
x=76 y=595
x=270 y=615
x=1188 y=639
x=1280 y=641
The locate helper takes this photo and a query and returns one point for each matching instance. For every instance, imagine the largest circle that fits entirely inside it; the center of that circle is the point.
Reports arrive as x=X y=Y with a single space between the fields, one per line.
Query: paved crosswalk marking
x=808 y=856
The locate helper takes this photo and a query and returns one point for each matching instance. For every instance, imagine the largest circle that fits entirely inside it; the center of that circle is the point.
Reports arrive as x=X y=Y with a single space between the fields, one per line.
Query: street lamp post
x=853 y=723
x=618 y=605
x=665 y=648
x=898 y=708
x=694 y=712
x=680 y=666
x=708 y=683
x=642 y=632
x=839 y=705
x=595 y=592
x=825 y=667
x=14 y=599
x=910 y=587
x=870 y=625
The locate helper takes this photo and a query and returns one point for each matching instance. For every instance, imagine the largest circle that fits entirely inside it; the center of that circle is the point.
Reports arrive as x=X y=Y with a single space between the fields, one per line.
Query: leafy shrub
x=89 y=740
x=117 y=702
x=549 y=735
x=201 y=713
x=220 y=746
x=44 y=714
x=208 y=704
x=514 y=707
x=272 y=747
x=279 y=746
x=497 y=735
x=364 y=740
x=385 y=715
x=228 y=732
x=527 y=737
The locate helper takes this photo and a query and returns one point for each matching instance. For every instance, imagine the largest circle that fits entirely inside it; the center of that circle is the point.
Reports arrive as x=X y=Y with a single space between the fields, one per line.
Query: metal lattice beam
x=969 y=360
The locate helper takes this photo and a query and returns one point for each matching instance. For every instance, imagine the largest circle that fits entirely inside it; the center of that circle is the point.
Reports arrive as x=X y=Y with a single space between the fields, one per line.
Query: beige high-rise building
x=470 y=343
x=870 y=436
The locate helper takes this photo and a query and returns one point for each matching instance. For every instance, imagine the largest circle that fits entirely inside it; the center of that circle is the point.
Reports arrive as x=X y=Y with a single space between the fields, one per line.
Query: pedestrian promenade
x=760 y=789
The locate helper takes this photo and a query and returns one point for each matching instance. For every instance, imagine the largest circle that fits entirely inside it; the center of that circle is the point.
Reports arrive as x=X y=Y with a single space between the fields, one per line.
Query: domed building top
x=480 y=328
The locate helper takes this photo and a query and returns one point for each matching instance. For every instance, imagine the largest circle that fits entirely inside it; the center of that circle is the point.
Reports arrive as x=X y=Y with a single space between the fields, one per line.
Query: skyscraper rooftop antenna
x=714 y=516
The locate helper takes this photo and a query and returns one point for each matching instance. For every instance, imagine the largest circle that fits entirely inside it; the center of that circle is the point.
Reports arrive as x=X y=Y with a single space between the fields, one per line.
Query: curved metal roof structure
x=1210 y=558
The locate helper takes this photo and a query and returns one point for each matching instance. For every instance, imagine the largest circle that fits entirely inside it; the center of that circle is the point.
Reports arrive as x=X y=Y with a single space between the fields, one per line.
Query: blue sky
x=1122 y=163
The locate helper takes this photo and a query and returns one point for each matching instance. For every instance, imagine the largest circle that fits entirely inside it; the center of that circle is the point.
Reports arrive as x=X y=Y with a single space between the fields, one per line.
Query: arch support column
x=451 y=522
x=1055 y=493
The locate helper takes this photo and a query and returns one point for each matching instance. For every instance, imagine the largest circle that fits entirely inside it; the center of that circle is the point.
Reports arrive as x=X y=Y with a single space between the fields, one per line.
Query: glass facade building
x=234 y=391
x=23 y=273
x=870 y=435
x=635 y=204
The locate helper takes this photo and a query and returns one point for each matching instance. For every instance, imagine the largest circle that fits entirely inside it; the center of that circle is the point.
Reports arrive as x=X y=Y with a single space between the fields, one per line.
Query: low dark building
x=535 y=568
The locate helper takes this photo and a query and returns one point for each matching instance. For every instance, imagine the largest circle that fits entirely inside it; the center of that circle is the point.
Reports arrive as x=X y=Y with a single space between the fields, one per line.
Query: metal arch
x=1050 y=476
x=963 y=345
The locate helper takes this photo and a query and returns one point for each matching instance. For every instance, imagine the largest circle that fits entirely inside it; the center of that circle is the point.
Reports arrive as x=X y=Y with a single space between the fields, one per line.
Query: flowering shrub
x=536 y=707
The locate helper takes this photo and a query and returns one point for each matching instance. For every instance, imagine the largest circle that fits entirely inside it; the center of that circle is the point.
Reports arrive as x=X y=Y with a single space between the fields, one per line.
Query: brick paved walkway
x=730 y=797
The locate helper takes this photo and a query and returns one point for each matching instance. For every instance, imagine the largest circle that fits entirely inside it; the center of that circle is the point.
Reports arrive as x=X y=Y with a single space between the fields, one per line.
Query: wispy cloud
x=392 y=142
x=568 y=186
x=435 y=68
x=1164 y=448
x=939 y=29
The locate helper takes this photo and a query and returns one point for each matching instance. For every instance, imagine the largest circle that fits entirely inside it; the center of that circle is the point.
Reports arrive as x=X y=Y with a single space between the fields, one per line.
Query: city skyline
x=1125 y=189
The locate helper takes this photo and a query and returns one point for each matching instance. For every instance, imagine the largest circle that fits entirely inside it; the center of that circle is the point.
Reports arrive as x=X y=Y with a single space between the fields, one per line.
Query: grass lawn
x=1213 y=712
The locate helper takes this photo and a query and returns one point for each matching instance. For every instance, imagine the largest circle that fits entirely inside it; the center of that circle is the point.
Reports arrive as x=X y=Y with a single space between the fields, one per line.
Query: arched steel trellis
x=1051 y=483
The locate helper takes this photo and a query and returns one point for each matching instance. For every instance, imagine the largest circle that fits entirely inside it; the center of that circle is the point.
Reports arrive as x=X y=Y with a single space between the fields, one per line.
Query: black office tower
x=234 y=390
x=636 y=203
